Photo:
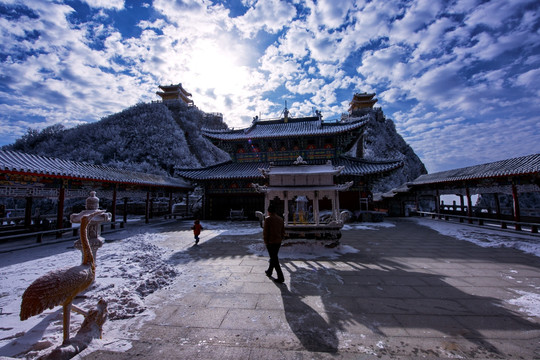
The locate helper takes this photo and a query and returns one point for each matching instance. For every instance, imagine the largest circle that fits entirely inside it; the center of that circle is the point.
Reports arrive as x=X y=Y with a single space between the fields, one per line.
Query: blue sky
x=460 y=79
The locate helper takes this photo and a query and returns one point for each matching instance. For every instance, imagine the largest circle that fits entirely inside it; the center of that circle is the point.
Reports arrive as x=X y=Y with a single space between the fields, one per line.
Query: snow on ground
x=368 y=226
x=127 y=271
x=485 y=237
x=134 y=263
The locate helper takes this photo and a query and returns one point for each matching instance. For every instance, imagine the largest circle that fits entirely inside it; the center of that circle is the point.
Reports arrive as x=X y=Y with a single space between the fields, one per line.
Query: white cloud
x=305 y=86
x=529 y=79
x=385 y=64
x=495 y=13
x=105 y=4
x=268 y=15
x=441 y=69
x=420 y=14
x=295 y=41
x=328 y=13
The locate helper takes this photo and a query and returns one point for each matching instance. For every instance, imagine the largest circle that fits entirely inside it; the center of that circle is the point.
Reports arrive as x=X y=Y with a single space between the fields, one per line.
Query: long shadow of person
x=311 y=329
x=391 y=302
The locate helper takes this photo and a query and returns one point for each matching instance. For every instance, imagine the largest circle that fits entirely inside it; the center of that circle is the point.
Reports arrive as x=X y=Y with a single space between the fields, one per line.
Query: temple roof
x=174 y=92
x=174 y=88
x=361 y=101
x=511 y=167
x=266 y=129
x=23 y=163
x=250 y=170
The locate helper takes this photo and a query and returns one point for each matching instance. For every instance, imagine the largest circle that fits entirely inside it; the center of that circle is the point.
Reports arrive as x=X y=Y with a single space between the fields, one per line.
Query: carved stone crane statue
x=59 y=287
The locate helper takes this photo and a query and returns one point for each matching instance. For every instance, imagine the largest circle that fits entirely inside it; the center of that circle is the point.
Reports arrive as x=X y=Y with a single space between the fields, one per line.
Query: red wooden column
x=28 y=212
x=170 y=204
x=60 y=211
x=125 y=209
x=517 y=215
x=469 y=204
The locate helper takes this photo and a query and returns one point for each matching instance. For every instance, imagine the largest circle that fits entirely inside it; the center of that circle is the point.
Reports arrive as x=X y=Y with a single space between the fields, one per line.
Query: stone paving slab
x=408 y=293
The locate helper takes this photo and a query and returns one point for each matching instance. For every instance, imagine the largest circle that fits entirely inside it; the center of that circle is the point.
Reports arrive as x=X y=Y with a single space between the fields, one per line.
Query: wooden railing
x=58 y=232
x=502 y=223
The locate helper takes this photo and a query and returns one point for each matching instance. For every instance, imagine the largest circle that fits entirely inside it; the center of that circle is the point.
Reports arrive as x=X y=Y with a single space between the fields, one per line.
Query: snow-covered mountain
x=382 y=141
x=159 y=138
x=148 y=137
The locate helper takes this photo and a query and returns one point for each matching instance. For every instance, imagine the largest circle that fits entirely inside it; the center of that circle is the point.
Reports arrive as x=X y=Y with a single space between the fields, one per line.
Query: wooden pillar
x=517 y=214
x=316 y=208
x=147 y=208
x=187 y=204
x=469 y=204
x=286 y=208
x=337 y=206
x=60 y=211
x=497 y=205
x=438 y=203
x=28 y=212
x=266 y=203
x=113 y=211
x=333 y=201
x=125 y=209
x=170 y=204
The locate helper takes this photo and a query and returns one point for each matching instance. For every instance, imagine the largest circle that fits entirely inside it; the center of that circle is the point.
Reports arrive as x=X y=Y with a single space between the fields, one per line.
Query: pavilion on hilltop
x=361 y=102
x=280 y=142
x=174 y=93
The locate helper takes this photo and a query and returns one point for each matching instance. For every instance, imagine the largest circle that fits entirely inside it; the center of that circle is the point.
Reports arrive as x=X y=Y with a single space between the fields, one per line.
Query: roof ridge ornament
x=300 y=161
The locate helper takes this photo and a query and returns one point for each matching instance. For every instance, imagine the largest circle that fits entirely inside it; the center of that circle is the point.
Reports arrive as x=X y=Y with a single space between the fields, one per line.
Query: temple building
x=280 y=142
x=174 y=93
x=361 y=102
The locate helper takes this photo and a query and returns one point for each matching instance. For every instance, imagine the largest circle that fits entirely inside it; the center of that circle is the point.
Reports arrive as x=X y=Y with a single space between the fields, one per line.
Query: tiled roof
x=355 y=166
x=226 y=170
x=292 y=128
x=511 y=167
x=17 y=162
x=250 y=170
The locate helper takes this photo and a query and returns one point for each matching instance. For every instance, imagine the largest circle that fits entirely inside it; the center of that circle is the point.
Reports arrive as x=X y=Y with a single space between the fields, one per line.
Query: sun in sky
x=459 y=78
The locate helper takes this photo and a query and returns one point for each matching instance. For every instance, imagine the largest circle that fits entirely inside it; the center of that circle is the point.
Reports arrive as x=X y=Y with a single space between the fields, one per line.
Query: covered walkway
x=27 y=176
x=511 y=176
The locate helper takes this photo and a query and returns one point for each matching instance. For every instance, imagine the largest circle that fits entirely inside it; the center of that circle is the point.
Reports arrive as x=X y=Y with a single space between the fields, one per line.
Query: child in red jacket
x=197 y=227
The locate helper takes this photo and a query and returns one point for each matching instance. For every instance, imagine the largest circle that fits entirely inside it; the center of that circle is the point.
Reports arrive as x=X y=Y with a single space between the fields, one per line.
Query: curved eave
x=250 y=170
x=46 y=174
x=34 y=165
x=225 y=171
x=273 y=132
x=360 y=167
x=468 y=178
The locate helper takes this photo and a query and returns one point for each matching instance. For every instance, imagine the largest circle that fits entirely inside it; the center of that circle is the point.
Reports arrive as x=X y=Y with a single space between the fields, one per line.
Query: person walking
x=273 y=233
x=197 y=228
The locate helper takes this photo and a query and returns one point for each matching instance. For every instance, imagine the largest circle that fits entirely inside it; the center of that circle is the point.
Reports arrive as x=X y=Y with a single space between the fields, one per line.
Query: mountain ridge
x=162 y=137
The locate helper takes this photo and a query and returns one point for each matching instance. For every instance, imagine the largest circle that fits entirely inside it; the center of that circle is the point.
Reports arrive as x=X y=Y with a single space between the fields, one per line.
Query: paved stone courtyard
x=408 y=293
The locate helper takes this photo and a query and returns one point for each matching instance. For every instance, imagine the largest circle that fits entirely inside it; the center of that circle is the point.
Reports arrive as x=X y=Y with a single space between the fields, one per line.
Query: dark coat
x=274 y=229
